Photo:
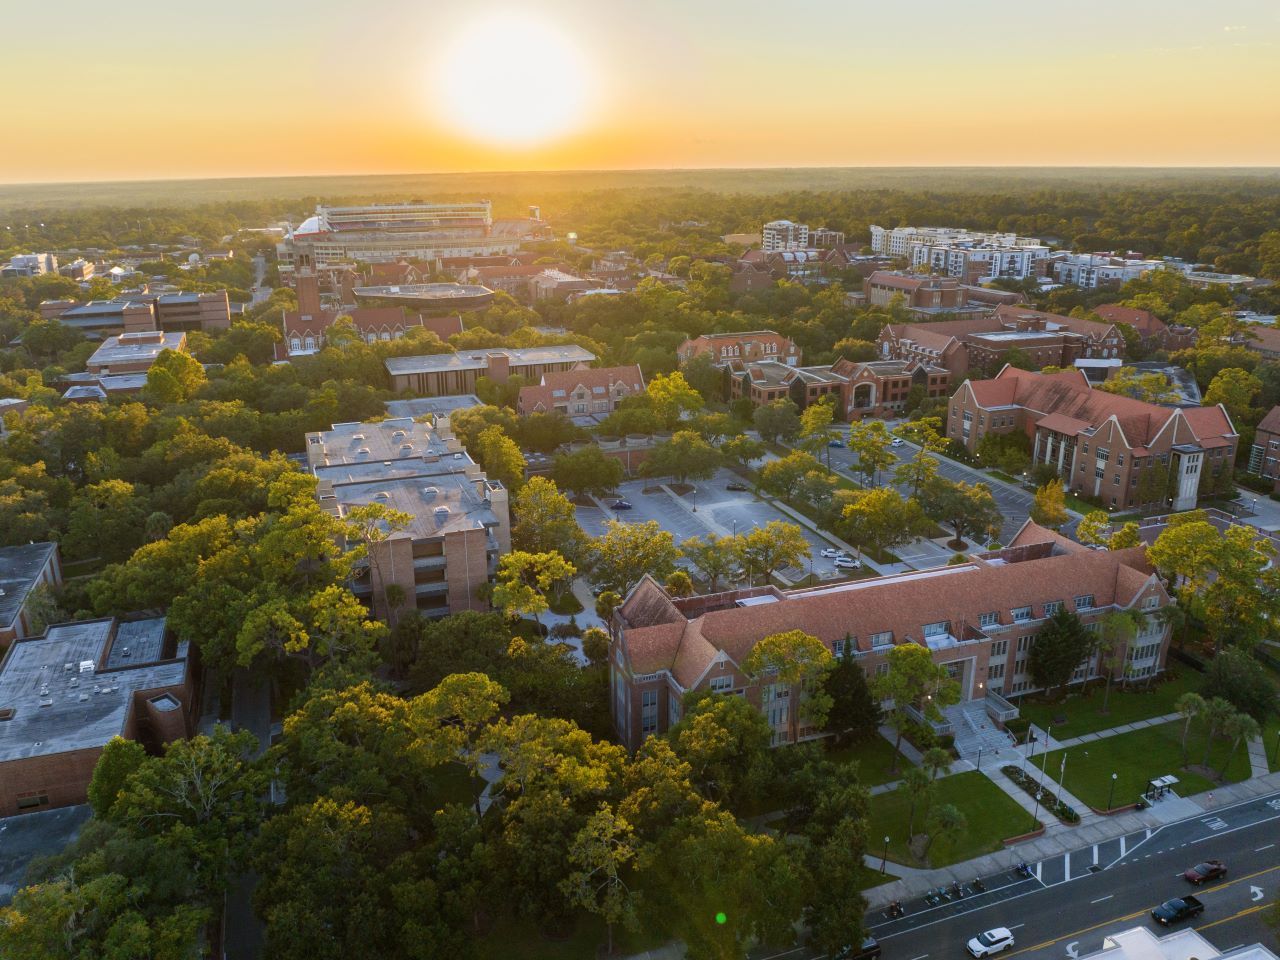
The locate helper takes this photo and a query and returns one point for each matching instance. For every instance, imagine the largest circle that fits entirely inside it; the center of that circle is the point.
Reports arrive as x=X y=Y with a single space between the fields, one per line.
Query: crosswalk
x=1079 y=863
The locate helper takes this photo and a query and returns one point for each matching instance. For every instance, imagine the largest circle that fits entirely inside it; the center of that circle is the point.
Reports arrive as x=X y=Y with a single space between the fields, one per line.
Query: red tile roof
x=1271 y=422
x=901 y=605
x=600 y=383
x=1011 y=313
x=1144 y=321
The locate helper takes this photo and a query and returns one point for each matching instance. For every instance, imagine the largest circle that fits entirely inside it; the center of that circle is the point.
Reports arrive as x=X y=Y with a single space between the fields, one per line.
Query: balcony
x=940 y=728
x=1000 y=709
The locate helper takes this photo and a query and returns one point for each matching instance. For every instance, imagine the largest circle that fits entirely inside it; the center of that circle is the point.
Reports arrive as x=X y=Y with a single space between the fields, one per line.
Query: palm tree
x=1217 y=713
x=945 y=821
x=1191 y=705
x=1239 y=726
x=937 y=761
x=919 y=787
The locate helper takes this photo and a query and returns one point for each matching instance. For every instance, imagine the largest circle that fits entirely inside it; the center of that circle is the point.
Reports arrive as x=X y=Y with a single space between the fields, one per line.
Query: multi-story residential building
x=1092 y=270
x=581 y=391
x=1264 y=455
x=133 y=352
x=896 y=242
x=80 y=270
x=446 y=374
x=751 y=345
x=970 y=256
x=779 y=235
x=23 y=568
x=394 y=231
x=824 y=237
x=30 y=265
x=460 y=523
x=65 y=694
x=1263 y=340
x=749 y=277
x=557 y=285
x=878 y=388
x=978 y=619
x=1125 y=452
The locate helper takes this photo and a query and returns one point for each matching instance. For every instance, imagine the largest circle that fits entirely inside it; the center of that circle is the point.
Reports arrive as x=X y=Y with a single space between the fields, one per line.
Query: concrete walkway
x=1048 y=780
x=1258 y=757
x=1115 y=731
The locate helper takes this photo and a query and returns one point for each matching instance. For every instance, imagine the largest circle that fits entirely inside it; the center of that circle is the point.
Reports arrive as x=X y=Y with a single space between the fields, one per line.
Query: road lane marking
x=1267 y=847
x=1235 y=916
x=921 y=957
x=1018 y=926
x=1101 y=899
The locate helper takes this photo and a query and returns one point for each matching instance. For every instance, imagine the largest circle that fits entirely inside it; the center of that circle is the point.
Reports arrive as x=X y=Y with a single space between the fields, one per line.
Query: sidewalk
x=1071 y=839
x=1114 y=731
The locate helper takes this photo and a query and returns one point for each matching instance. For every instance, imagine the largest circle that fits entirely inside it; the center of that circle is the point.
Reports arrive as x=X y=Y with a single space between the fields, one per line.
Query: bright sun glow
x=513 y=79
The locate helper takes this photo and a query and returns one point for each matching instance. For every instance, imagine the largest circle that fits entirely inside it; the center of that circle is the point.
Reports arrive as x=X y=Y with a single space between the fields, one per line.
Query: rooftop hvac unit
x=86 y=666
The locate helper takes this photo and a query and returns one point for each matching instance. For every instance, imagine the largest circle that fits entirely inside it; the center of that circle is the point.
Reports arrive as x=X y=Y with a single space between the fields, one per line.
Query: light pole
x=1112 y=795
x=979 y=758
x=885 y=857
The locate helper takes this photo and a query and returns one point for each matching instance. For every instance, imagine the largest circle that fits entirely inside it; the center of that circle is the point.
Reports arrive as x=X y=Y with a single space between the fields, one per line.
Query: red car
x=1206 y=871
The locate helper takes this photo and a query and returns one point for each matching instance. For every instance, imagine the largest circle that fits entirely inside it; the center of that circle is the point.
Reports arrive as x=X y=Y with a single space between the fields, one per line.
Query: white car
x=897 y=442
x=848 y=563
x=995 y=940
x=831 y=553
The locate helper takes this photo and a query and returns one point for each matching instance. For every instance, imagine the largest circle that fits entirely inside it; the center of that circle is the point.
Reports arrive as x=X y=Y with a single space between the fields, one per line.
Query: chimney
x=499 y=367
x=308 y=289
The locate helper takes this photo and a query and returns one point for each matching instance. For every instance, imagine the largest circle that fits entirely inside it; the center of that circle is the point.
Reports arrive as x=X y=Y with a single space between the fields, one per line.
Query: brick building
x=979 y=619
x=447 y=374
x=581 y=391
x=1154 y=333
x=134 y=352
x=750 y=345
x=460 y=522
x=65 y=694
x=1264 y=455
x=174 y=312
x=1123 y=451
x=879 y=388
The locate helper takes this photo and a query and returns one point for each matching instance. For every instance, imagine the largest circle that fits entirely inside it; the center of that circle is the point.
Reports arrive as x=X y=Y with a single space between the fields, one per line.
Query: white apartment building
x=1091 y=270
x=781 y=235
x=896 y=242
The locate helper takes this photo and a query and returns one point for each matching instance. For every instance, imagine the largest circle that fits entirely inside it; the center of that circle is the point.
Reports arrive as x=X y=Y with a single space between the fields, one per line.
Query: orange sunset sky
x=154 y=90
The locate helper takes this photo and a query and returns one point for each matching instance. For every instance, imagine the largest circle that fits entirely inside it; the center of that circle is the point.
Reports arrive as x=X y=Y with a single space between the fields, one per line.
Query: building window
x=30 y=800
x=989 y=620
x=1084 y=601
x=995 y=671
x=1021 y=614
x=1104 y=454
x=882 y=669
x=882 y=639
x=721 y=684
x=1024 y=642
x=936 y=629
x=673 y=710
x=1000 y=648
x=649 y=712
x=1052 y=607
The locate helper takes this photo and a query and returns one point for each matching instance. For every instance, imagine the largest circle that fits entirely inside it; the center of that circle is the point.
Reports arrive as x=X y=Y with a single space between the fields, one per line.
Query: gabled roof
x=1011 y=313
x=1271 y=422
x=1144 y=321
x=599 y=382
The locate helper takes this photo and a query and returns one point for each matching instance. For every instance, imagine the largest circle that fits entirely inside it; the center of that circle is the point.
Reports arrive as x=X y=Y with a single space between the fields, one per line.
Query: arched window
x=295 y=344
x=310 y=342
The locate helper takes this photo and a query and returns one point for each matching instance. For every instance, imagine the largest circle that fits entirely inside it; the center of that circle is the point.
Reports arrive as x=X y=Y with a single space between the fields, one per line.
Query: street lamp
x=979 y=758
x=1112 y=795
x=885 y=858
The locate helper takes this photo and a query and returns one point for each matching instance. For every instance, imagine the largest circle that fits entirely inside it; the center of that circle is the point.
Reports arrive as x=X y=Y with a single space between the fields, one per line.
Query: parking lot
x=711 y=508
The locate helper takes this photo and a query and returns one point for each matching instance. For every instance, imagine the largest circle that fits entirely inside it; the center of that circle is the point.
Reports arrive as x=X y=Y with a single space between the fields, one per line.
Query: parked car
x=1179 y=908
x=835 y=443
x=995 y=940
x=896 y=442
x=848 y=563
x=737 y=487
x=869 y=949
x=1206 y=871
x=831 y=553
x=620 y=505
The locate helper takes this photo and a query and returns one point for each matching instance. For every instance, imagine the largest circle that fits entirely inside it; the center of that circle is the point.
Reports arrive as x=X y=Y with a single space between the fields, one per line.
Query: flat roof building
x=1140 y=943
x=22 y=569
x=446 y=374
x=460 y=522
x=65 y=694
x=134 y=352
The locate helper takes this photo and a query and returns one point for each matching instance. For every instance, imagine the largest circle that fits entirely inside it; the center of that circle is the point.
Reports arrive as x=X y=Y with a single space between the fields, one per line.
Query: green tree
x=174 y=377
x=526 y=580
x=764 y=550
x=945 y=822
x=1191 y=706
x=686 y=456
x=600 y=853
x=742 y=450
x=969 y=509
x=1217 y=714
x=784 y=476
x=1151 y=387
x=1094 y=527
x=543 y=520
x=106 y=519
x=673 y=397
x=500 y=457
x=914 y=680
x=836 y=922
x=882 y=519
x=936 y=761
x=816 y=430
x=716 y=557
x=1117 y=630
x=678 y=584
x=872 y=443
x=1062 y=644
x=854 y=713
x=1237 y=677
x=777 y=419
x=720 y=738
x=919 y=788
x=627 y=551
x=120 y=759
x=795 y=659
x=1050 y=509
x=916 y=473
x=1238 y=728
x=588 y=471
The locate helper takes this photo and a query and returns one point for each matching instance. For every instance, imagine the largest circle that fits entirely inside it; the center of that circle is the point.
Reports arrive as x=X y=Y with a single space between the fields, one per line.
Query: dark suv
x=869 y=950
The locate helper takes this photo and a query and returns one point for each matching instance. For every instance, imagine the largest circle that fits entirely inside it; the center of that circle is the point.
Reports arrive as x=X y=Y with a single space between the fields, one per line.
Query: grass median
x=1083 y=713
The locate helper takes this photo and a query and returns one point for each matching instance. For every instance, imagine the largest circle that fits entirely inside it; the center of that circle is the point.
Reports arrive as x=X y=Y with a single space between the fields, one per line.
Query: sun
x=514 y=80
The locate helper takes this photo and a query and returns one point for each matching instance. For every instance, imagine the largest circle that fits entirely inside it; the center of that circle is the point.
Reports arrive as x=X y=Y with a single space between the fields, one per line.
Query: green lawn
x=566 y=604
x=874 y=757
x=869 y=877
x=992 y=814
x=1084 y=714
x=1139 y=757
x=1270 y=736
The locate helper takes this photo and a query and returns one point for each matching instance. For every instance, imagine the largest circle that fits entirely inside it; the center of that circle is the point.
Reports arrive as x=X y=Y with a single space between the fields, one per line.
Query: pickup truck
x=1179 y=908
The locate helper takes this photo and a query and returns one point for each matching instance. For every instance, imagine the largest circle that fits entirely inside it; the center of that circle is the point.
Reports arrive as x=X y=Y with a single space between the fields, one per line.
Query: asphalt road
x=1073 y=902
